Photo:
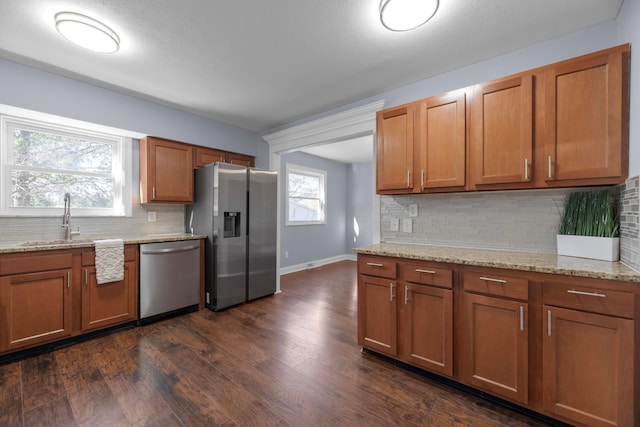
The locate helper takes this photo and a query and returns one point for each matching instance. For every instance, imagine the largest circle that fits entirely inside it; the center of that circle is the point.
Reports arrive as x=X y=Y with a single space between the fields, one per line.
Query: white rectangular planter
x=603 y=248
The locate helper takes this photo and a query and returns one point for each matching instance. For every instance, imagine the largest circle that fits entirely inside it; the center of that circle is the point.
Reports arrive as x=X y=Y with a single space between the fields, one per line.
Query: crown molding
x=353 y=122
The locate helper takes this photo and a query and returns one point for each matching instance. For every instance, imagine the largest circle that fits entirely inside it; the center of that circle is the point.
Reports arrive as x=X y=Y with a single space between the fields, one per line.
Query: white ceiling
x=259 y=64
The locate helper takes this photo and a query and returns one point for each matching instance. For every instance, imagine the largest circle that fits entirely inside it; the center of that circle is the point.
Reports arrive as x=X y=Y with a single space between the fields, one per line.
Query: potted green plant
x=589 y=226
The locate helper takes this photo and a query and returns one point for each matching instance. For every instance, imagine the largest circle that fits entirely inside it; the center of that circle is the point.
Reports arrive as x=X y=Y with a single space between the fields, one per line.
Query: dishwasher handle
x=169 y=250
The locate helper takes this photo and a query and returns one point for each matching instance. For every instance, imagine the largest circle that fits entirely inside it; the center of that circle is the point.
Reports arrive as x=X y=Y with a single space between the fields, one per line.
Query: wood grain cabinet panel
x=377 y=314
x=440 y=147
x=501 y=131
x=35 y=308
x=496 y=345
x=166 y=171
x=394 y=150
x=426 y=327
x=240 y=159
x=205 y=156
x=586 y=120
x=111 y=303
x=588 y=367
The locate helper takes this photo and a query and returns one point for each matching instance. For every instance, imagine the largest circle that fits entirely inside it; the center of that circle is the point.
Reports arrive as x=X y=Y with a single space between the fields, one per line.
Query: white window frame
x=303 y=170
x=121 y=145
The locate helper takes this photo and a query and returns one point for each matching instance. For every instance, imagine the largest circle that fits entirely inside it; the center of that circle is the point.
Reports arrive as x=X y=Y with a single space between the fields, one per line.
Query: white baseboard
x=317 y=263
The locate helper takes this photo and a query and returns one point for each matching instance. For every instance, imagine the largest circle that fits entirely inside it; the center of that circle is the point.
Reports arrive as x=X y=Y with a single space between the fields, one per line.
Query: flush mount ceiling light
x=87 y=32
x=403 y=15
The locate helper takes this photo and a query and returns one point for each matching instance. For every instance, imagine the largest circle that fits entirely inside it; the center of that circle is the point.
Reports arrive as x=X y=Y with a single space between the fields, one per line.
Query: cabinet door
x=502 y=131
x=586 y=120
x=440 y=148
x=588 y=367
x=394 y=149
x=240 y=159
x=108 y=304
x=426 y=327
x=377 y=314
x=166 y=171
x=495 y=353
x=205 y=156
x=35 y=308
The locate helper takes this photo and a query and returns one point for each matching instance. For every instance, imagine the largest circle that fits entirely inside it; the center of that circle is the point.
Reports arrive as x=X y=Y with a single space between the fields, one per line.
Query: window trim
x=304 y=170
x=123 y=153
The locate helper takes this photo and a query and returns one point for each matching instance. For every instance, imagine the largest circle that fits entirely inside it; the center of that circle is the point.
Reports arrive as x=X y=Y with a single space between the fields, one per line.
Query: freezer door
x=262 y=233
x=230 y=235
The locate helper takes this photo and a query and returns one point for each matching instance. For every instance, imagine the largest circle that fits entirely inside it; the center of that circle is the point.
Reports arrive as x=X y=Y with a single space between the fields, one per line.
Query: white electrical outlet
x=413 y=211
x=395 y=224
x=286 y=254
x=151 y=216
x=407 y=225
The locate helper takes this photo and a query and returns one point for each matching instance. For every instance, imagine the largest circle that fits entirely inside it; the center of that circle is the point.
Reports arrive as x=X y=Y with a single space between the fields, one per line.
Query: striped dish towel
x=109 y=260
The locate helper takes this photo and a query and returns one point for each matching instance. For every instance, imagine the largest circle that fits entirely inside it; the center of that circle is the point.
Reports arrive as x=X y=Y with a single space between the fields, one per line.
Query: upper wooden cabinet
x=240 y=159
x=206 y=155
x=441 y=142
x=561 y=125
x=586 y=119
x=394 y=150
x=501 y=131
x=166 y=171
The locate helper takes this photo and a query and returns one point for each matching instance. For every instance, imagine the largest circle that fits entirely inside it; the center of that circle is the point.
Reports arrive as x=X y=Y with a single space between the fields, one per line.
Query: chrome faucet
x=66 y=219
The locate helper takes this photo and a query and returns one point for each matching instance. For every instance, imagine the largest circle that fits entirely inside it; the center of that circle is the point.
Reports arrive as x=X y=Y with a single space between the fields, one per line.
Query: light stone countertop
x=48 y=245
x=541 y=263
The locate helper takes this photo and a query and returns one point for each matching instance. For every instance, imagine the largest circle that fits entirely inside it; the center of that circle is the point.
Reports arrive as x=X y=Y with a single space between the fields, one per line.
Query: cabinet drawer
x=89 y=257
x=426 y=274
x=33 y=263
x=496 y=284
x=588 y=298
x=373 y=266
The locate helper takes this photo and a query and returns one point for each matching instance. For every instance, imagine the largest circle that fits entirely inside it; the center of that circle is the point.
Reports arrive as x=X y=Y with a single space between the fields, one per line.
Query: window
x=306 y=196
x=41 y=161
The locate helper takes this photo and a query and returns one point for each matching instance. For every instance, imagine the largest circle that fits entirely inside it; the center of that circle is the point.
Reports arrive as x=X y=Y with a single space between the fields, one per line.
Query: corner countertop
x=541 y=263
x=48 y=245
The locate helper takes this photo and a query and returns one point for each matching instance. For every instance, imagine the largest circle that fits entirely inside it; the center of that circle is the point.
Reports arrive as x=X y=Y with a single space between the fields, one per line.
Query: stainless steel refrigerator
x=235 y=207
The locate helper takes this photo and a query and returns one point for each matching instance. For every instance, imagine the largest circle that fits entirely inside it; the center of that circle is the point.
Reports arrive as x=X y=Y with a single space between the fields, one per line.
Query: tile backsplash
x=524 y=220
x=169 y=219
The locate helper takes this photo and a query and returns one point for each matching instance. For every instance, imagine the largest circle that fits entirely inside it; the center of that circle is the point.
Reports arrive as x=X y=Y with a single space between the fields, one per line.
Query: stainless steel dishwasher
x=169 y=278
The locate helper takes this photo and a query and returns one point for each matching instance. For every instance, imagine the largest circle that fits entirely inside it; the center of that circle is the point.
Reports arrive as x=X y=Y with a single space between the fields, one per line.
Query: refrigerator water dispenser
x=232 y=224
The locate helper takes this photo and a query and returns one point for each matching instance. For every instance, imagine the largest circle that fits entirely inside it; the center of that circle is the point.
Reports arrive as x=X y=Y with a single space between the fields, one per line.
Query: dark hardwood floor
x=288 y=360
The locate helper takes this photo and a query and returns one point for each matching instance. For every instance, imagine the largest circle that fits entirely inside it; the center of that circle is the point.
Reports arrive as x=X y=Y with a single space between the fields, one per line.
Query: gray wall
x=360 y=194
x=309 y=243
x=35 y=89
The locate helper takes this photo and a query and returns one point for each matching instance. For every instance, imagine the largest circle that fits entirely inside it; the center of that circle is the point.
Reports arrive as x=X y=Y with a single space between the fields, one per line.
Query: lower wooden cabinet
x=426 y=328
x=111 y=303
x=35 y=308
x=563 y=346
x=53 y=295
x=588 y=352
x=377 y=316
x=495 y=352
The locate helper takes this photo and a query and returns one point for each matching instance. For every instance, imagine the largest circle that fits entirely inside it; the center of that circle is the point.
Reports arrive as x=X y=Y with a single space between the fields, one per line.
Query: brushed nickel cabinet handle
x=68 y=279
x=375 y=264
x=521 y=318
x=422 y=180
x=408 y=178
x=406 y=295
x=489 y=279
x=86 y=276
x=153 y=193
x=589 y=294
x=419 y=270
x=549 y=166
x=549 y=322
x=526 y=170
x=391 y=292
